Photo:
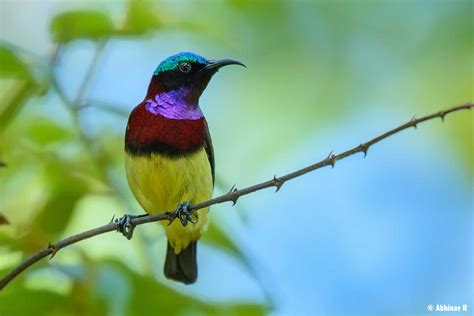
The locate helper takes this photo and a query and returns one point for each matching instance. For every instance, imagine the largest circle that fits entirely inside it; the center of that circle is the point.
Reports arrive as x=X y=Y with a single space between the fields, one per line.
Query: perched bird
x=169 y=157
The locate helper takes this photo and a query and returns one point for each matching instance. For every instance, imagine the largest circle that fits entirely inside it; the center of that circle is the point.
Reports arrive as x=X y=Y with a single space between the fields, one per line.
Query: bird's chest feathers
x=159 y=183
x=172 y=130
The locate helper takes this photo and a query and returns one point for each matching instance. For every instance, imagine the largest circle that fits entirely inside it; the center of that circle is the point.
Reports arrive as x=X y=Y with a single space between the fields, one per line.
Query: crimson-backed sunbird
x=169 y=157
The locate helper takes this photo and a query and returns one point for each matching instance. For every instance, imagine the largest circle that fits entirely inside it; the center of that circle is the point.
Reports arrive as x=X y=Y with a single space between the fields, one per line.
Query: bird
x=169 y=157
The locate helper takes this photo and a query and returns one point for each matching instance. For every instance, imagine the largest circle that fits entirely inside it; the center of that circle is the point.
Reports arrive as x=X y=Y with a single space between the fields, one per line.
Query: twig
x=89 y=73
x=232 y=196
x=105 y=106
x=74 y=105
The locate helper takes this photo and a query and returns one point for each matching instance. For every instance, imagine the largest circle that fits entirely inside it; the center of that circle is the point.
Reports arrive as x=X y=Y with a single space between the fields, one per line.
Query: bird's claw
x=184 y=214
x=125 y=226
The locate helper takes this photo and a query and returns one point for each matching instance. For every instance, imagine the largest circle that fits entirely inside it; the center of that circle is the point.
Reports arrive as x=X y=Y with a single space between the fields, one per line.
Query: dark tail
x=181 y=267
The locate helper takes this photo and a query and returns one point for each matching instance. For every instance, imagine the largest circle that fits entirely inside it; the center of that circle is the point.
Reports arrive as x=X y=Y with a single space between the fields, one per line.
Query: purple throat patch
x=173 y=104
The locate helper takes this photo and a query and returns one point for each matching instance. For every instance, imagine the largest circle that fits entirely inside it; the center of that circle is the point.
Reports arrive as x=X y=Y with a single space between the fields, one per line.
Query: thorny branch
x=232 y=196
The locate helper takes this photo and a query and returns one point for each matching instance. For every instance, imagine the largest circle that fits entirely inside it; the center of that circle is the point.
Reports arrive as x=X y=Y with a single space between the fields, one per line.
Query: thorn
x=171 y=216
x=442 y=115
x=277 y=183
x=333 y=161
x=413 y=122
x=53 y=249
x=364 y=148
x=113 y=218
x=234 y=200
x=231 y=193
x=331 y=157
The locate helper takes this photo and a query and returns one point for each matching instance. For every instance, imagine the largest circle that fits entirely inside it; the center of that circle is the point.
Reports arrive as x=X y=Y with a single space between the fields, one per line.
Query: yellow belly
x=159 y=183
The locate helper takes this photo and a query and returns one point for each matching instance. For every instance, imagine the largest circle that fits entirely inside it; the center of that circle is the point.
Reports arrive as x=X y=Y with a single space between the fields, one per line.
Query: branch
x=89 y=72
x=232 y=196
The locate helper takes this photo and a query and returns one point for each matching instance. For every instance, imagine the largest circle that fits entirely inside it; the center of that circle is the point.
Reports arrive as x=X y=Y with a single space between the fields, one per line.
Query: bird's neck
x=150 y=133
x=174 y=104
x=178 y=104
x=167 y=122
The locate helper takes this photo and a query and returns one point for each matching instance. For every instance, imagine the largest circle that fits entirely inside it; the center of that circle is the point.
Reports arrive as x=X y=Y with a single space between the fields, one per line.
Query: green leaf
x=84 y=24
x=13 y=101
x=64 y=190
x=40 y=302
x=11 y=66
x=140 y=19
x=56 y=214
x=45 y=131
x=17 y=84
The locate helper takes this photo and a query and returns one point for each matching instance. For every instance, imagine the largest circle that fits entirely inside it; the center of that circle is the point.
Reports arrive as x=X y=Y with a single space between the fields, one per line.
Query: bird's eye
x=185 y=67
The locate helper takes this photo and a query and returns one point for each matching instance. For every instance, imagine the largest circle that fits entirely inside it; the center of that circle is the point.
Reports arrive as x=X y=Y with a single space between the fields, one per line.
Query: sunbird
x=169 y=158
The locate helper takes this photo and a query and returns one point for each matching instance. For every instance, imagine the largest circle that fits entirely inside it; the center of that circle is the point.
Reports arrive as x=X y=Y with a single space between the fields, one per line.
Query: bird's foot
x=125 y=226
x=184 y=214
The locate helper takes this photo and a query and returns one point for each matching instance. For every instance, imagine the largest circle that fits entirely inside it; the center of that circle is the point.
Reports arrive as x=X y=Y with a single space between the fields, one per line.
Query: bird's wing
x=209 y=149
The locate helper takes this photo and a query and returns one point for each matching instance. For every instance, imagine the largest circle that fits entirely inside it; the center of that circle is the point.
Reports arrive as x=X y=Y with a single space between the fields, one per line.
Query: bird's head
x=188 y=73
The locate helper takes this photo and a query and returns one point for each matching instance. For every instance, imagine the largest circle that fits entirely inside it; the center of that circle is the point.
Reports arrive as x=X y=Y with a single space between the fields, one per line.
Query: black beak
x=216 y=64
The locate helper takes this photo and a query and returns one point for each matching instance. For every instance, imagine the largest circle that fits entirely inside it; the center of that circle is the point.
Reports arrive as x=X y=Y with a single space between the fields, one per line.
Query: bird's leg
x=184 y=214
x=125 y=226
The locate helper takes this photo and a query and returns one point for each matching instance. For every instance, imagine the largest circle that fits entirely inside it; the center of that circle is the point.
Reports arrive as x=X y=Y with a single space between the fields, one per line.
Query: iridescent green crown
x=172 y=62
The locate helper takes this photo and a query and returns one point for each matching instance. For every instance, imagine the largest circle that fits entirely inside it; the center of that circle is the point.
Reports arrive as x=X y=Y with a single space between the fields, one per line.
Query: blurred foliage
x=18 y=79
x=70 y=26
x=54 y=163
x=140 y=19
x=12 y=66
x=3 y=219
x=92 y=298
